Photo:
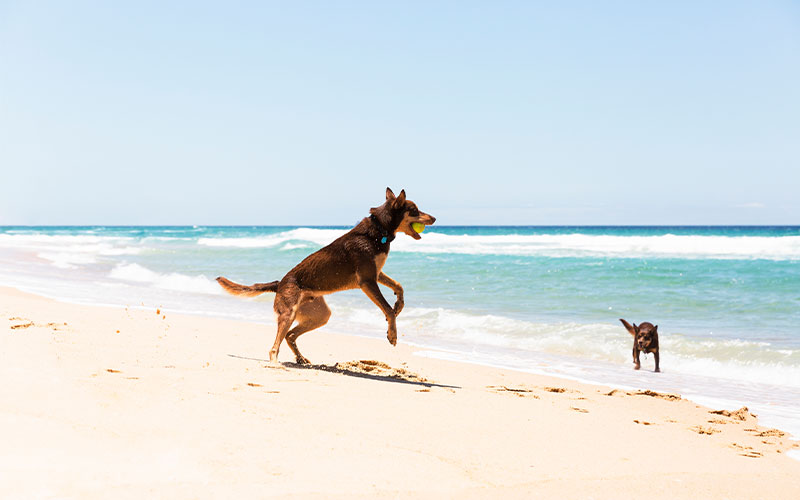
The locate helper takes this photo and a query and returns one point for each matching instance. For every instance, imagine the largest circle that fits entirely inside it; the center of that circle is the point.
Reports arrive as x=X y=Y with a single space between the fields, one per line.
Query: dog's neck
x=386 y=236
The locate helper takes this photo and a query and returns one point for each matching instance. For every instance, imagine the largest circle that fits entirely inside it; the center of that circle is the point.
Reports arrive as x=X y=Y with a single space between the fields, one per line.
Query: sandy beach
x=142 y=403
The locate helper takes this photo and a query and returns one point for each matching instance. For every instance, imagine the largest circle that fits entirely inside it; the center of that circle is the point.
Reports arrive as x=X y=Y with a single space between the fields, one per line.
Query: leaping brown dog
x=353 y=260
x=645 y=339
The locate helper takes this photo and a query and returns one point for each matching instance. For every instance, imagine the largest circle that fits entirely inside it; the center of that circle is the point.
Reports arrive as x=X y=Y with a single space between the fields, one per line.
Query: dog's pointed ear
x=401 y=198
x=389 y=195
x=631 y=328
x=655 y=329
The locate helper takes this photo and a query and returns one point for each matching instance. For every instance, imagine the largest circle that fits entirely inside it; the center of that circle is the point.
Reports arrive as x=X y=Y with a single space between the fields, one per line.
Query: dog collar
x=385 y=236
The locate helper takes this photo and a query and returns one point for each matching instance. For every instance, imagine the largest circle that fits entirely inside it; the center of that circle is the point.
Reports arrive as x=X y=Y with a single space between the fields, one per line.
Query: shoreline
x=552 y=366
x=454 y=355
x=171 y=405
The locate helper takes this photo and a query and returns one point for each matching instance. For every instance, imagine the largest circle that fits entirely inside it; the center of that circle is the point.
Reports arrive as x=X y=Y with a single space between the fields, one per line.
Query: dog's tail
x=247 y=291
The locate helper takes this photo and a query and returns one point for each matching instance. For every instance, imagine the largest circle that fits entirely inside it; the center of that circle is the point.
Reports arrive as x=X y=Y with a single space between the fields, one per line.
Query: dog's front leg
x=655 y=354
x=636 y=362
x=396 y=288
x=374 y=293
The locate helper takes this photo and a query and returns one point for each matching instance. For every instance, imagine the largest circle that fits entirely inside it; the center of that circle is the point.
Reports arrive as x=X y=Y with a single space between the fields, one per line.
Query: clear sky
x=491 y=112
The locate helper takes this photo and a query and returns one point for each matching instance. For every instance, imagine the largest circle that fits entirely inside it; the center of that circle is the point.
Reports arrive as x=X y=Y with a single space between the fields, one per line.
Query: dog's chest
x=380 y=260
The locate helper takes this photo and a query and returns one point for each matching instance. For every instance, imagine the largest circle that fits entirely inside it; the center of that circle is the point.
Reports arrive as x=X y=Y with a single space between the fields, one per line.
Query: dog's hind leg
x=286 y=305
x=311 y=315
x=285 y=321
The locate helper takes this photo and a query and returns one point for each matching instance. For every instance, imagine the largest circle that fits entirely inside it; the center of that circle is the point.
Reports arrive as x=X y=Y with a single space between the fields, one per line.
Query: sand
x=101 y=402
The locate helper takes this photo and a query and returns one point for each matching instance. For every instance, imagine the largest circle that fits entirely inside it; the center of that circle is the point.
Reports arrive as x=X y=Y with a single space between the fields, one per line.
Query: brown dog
x=645 y=339
x=353 y=260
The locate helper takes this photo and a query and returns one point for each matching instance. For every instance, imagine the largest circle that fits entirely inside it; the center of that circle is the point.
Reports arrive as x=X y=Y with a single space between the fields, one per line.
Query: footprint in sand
x=21 y=323
x=652 y=394
x=746 y=451
x=741 y=414
x=521 y=392
x=705 y=430
x=771 y=433
x=26 y=323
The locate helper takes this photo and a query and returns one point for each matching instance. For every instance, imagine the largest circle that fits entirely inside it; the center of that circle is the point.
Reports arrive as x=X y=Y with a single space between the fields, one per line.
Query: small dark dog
x=353 y=260
x=645 y=339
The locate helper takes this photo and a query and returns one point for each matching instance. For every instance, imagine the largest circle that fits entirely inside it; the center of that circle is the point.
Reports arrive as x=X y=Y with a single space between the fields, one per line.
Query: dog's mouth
x=415 y=228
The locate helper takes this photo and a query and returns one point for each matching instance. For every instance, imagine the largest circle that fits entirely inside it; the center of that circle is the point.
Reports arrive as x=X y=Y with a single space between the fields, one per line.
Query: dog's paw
x=392 y=336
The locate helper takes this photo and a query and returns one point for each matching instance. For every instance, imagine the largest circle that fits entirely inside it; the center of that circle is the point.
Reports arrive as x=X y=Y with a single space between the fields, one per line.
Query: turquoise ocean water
x=539 y=299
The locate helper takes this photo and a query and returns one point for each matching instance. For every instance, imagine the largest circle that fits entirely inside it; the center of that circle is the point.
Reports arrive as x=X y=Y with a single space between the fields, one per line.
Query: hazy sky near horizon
x=507 y=112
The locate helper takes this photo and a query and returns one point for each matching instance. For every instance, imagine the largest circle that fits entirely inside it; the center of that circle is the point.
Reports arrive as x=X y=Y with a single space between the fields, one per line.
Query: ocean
x=538 y=299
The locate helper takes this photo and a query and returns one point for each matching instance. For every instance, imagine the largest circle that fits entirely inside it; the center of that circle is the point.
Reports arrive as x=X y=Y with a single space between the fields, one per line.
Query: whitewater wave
x=583 y=245
x=70 y=251
x=549 y=245
x=67 y=248
x=743 y=361
x=318 y=237
x=170 y=281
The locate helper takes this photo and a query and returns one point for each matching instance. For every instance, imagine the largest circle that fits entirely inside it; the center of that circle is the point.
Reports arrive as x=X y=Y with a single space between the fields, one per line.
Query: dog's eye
x=414 y=212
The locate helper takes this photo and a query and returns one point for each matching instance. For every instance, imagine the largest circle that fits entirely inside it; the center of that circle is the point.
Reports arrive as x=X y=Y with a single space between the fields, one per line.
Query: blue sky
x=485 y=112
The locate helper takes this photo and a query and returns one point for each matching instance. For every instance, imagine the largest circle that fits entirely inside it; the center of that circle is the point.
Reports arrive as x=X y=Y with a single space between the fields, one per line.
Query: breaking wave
x=169 y=281
x=549 y=245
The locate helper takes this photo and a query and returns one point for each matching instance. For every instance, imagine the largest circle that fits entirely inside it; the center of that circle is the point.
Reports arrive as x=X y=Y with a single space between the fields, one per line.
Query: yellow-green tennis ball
x=416 y=226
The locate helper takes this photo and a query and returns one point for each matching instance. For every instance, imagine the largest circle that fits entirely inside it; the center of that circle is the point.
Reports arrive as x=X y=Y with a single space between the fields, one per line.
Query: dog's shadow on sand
x=368 y=369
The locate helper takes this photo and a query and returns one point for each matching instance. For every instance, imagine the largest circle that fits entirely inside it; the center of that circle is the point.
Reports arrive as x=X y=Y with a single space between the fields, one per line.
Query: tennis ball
x=416 y=226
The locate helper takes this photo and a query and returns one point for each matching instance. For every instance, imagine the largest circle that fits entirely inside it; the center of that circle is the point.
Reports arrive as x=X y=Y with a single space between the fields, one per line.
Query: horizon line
x=6 y=226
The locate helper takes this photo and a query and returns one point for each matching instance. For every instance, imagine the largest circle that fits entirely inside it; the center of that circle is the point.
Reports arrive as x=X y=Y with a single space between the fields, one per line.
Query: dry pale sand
x=137 y=403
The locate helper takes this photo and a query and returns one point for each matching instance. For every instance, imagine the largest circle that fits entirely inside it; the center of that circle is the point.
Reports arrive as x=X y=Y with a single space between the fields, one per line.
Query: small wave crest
x=170 y=281
x=297 y=236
